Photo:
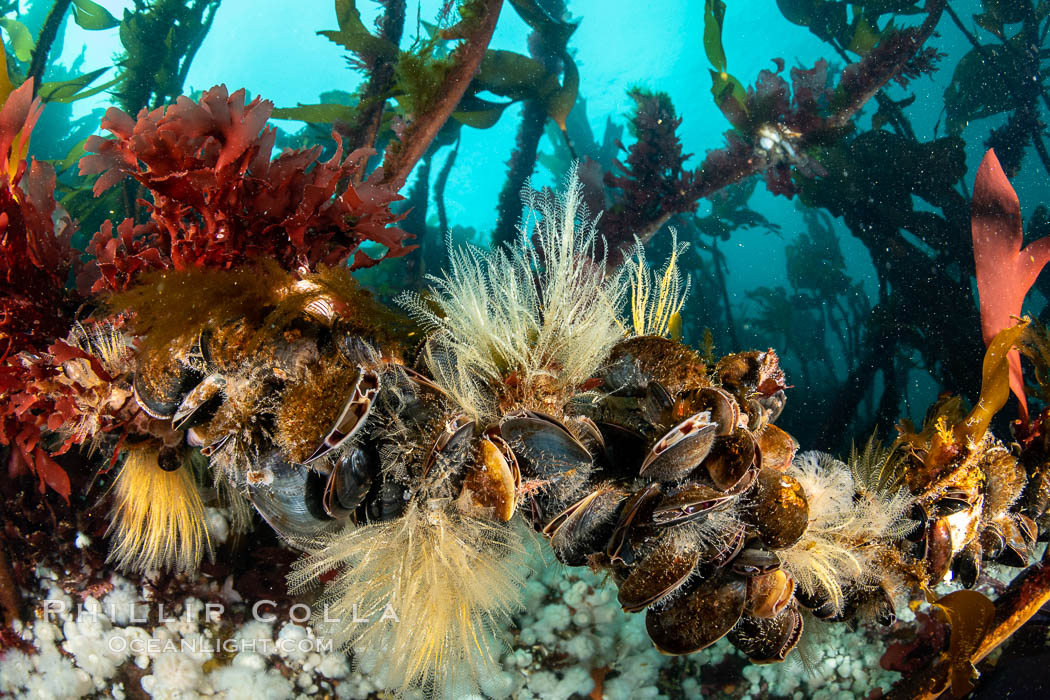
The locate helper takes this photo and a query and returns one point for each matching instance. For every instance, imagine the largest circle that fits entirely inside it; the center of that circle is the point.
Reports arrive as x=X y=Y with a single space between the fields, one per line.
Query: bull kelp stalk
x=547 y=43
x=38 y=63
x=478 y=21
x=381 y=79
x=1023 y=598
x=160 y=42
x=723 y=167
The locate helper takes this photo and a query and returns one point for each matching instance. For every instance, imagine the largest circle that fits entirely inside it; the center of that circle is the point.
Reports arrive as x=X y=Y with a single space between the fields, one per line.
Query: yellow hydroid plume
x=436 y=587
x=657 y=299
x=158 y=518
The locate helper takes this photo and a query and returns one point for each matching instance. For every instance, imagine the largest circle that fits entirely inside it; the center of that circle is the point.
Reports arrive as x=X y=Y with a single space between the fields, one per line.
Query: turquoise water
x=273 y=50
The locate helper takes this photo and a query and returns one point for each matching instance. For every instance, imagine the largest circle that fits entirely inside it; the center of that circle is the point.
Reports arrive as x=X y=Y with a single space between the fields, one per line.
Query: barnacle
x=97 y=396
x=158 y=518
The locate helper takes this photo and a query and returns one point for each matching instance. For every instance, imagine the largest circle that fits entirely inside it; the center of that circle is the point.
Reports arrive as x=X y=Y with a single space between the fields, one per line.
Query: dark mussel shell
x=781 y=511
x=635 y=519
x=966 y=566
x=454 y=436
x=681 y=450
x=291 y=501
x=161 y=382
x=349 y=482
x=876 y=604
x=389 y=502
x=768 y=640
x=658 y=575
x=543 y=446
x=699 y=617
x=624 y=449
x=687 y=504
x=776 y=446
x=992 y=542
x=658 y=405
x=584 y=528
x=730 y=458
x=590 y=435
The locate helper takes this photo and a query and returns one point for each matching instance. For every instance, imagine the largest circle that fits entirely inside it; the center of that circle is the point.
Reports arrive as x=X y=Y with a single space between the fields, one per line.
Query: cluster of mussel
x=672 y=482
x=670 y=475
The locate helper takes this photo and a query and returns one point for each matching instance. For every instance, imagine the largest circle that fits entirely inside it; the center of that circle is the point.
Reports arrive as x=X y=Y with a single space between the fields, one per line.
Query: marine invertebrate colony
x=221 y=341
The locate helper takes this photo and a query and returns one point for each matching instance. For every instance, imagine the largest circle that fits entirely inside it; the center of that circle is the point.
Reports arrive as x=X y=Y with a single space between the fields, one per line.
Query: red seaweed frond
x=1005 y=272
x=35 y=305
x=654 y=181
x=219 y=200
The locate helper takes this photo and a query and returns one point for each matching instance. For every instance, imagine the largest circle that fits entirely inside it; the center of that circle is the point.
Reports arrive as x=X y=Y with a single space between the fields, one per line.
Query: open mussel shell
x=349 y=482
x=161 y=382
x=681 y=450
x=289 y=499
x=454 y=436
x=699 y=617
x=689 y=503
x=355 y=412
x=634 y=521
x=755 y=560
x=768 y=594
x=1017 y=532
x=723 y=407
x=768 y=640
x=658 y=575
x=544 y=447
x=781 y=511
x=776 y=446
x=489 y=486
x=730 y=459
x=584 y=528
x=200 y=404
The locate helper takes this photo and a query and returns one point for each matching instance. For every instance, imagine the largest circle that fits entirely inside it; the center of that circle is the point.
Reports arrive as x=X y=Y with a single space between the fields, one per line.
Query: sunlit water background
x=271 y=48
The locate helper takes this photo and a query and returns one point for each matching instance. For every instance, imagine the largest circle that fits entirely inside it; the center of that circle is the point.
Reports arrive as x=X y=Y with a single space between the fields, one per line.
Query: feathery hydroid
x=656 y=297
x=158 y=519
x=451 y=581
x=529 y=323
x=850 y=529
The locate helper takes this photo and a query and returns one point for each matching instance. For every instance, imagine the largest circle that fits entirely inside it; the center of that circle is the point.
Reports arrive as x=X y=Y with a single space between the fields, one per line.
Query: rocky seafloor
x=116 y=638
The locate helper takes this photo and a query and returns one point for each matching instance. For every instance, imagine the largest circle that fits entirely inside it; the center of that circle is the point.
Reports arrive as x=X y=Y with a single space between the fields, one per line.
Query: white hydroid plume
x=452 y=582
x=850 y=528
x=531 y=321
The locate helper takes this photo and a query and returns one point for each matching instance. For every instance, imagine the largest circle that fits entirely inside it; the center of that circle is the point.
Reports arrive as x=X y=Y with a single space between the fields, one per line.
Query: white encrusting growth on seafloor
x=571 y=632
